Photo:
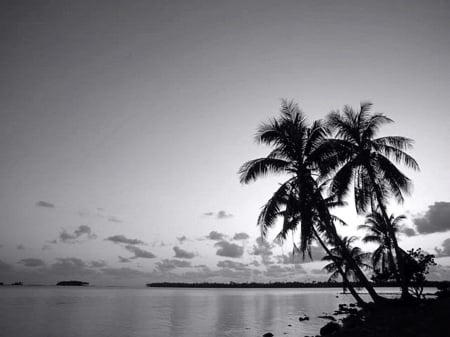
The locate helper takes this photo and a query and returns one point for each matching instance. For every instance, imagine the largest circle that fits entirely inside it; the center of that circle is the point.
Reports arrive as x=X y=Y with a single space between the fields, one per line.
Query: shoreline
x=425 y=318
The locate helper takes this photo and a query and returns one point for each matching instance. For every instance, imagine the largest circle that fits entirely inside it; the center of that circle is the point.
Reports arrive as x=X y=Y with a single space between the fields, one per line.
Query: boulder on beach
x=329 y=328
x=268 y=334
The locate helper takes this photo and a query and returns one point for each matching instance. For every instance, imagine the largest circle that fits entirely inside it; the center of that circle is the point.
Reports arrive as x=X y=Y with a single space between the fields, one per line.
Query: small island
x=72 y=283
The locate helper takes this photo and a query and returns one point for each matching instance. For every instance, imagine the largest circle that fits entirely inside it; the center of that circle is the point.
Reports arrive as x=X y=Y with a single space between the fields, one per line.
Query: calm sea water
x=162 y=312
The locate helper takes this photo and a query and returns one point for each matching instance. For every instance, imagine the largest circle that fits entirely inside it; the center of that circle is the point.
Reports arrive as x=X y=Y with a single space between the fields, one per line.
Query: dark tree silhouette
x=365 y=161
x=299 y=152
x=338 y=261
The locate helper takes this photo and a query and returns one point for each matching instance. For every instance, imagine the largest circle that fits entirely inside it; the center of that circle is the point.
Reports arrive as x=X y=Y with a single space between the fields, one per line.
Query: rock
x=351 y=321
x=329 y=328
x=352 y=311
x=352 y=305
x=304 y=318
x=289 y=324
x=331 y=318
x=268 y=334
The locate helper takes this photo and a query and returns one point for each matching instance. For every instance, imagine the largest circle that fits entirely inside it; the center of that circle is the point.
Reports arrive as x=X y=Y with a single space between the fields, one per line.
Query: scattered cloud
x=408 y=231
x=219 y=215
x=139 y=253
x=182 y=239
x=123 y=259
x=264 y=249
x=445 y=250
x=435 y=219
x=98 y=264
x=82 y=232
x=69 y=266
x=318 y=272
x=223 y=215
x=114 y=219
x=20 y=247
x=171 y=264
x=125 y=240
x=46 y=247
x=228 y=249
x=241 y=236
x=232 y=265
x=182 y=254
x=45 y=204
x=216 y=236
x=280 y=272
x=32 y=262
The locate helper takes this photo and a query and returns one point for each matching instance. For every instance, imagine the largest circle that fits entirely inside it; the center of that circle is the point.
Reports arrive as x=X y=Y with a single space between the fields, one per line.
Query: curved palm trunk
x=400 y=262
x=359 y=274
x=345 y=280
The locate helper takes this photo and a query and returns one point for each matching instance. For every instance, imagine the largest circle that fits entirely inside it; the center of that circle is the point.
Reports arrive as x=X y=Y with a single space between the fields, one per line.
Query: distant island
x=72 y=283
x=274 y=285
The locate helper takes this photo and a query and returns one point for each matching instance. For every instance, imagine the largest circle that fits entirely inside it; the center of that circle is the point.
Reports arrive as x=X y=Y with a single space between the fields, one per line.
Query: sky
x=123 y=125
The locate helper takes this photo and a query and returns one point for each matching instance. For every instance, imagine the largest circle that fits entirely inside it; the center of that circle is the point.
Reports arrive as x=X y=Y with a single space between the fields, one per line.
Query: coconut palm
x=338 y=262
x=383 y=259
x=297 y=154
x=366 y=162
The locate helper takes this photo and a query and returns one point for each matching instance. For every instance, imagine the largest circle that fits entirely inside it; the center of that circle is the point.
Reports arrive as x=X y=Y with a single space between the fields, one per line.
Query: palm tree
x=338 y=262
x=297 y=154
x=365 y=161
x=383 y=260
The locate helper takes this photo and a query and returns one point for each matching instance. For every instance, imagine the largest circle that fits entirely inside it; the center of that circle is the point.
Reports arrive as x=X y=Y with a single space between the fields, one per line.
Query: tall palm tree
x=297 y=153
x=338 y=261
x=366 y=161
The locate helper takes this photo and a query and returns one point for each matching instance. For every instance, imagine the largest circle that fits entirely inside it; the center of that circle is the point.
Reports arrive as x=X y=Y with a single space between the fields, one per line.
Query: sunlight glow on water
x=158 y=312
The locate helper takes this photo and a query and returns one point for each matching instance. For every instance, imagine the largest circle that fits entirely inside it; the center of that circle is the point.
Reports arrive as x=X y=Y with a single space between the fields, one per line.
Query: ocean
x=163 y=312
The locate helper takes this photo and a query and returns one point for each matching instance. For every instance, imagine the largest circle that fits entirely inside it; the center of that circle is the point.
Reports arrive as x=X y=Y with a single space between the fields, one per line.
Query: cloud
x=125 y=273
x=98 y=264
x=125 y=240
x=445 y=250
x=408 y=231
x=232 y=265
x=123 y=259
x=263 y=249
x=181 y=239
x=228 y=249
x=69 y=266
x=216 y=236
x=113 y=219
x=46 y=247
x=139 y=253
x=241 y=236
x=4 y=266
x=435 y=219
x=20 y=247
x=82 y=231
x=219 y=215
x=183 y=254
x=171 y=264
x=32 y=262
x=223 y=215
x=44 y=204
x=276 y=271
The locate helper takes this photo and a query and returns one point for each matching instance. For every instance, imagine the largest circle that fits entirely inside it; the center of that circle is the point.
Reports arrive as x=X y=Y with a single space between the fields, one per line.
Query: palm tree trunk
x=345 y=280
x=400 y=261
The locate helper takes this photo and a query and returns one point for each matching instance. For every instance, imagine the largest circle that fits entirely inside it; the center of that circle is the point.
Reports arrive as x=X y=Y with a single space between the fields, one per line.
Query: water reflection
x=94 y=312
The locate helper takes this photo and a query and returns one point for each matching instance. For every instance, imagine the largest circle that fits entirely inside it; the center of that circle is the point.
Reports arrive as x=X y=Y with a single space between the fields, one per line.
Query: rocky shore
x=427 y=318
